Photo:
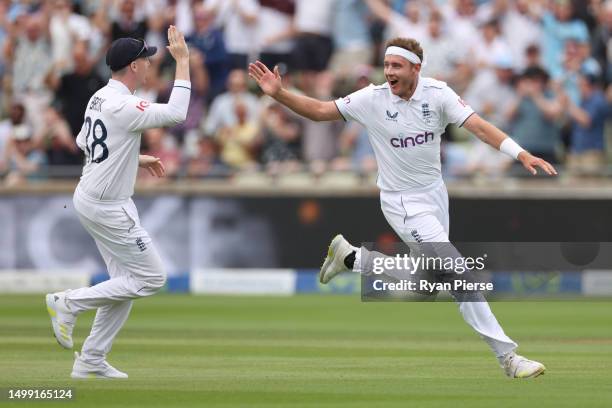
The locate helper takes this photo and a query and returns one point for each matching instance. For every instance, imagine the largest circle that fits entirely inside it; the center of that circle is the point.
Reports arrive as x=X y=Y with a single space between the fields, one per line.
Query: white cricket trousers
x=134 y=266
x=422 y=216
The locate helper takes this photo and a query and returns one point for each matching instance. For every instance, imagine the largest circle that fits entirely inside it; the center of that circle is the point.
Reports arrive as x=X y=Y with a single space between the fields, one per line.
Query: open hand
x=154 y=165
x=531 y=162
x=177 y=45
x=268 y=81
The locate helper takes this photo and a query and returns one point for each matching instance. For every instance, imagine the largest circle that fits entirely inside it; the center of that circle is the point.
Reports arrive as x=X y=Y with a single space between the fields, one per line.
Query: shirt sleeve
x=139 y=114
x=356 y=106
x=454 y=108
x=80 y=139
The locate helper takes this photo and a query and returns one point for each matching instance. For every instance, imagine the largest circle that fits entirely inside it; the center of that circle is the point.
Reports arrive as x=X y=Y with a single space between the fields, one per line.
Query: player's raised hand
x=177 y=46
x=269 y=82
x=531 y=162
x=153 y=165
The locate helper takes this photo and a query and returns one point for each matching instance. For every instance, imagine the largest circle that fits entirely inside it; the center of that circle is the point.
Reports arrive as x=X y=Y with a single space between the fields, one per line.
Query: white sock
x=357 y=264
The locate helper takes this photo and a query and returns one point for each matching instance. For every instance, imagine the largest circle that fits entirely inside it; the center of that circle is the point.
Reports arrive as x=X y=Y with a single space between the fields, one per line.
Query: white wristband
x=511 y=148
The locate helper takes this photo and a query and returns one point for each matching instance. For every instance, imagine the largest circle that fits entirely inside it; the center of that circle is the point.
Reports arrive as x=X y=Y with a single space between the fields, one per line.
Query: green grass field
x=316 y=351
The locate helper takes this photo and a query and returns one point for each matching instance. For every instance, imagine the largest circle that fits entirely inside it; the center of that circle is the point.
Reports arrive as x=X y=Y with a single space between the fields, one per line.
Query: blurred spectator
x=351 y=36
x=239 y=21
x=408 y=25
x=177 y=12
x=16 y=118
x=73 y=90
x=67 y=29
x=319 y=140
x=533 y=57
x=519 y=25
x=54 y=51
x=222 y=113
x=559 y=25
x=462 y=21
x=490 y=46
x=281 y=142
x=462 y=24
x=493 y=106
x=238 y=141
x=313 y=44
x=587 y=155
x=535 y=115
x=158 y=143
x=127 y=23
x=601 y=38
x=356 y=153
x=57 y=142
x=577 y=60
x=208 y=40
x=206 y=163
x=275 y=32
x=442 y=61
x=24 y=158
x=30 y=53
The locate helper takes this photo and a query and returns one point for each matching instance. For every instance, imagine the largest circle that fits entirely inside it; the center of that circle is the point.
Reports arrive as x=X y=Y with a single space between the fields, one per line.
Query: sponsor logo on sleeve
x=142 y=105
x=96 y=103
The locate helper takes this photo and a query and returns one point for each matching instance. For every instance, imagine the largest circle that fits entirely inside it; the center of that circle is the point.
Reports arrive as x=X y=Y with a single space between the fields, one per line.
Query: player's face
x=142 y=69
x=401 y=74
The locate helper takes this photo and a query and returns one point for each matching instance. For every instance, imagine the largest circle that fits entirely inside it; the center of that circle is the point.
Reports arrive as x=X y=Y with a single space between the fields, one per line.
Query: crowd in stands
x=538 y=69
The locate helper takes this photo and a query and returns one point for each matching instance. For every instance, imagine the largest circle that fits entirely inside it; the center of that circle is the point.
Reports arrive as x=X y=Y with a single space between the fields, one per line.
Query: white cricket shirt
x=110 y=136
x=405 y=135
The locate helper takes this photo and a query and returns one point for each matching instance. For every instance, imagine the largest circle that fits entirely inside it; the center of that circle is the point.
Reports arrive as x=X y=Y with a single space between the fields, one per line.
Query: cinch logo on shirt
x=412 y=141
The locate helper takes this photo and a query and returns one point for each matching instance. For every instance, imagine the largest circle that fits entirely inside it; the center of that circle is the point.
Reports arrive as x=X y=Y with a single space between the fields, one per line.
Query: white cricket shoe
x=517 y=366
x=82 y=369
x=62 y=318
x=334 y=261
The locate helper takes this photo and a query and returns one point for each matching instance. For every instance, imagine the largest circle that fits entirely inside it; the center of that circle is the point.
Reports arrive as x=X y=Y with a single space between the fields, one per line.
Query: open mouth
x=393 y=82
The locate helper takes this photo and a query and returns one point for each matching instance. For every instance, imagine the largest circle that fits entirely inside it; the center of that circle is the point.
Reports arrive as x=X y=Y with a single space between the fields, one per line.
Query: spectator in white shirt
x=275 y=32
x=408 y=25
x=239 y=19
x=222 y=113
x=313 y=46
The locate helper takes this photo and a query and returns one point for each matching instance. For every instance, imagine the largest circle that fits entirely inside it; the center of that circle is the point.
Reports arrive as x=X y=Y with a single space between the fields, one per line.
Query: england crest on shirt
x=426 y=112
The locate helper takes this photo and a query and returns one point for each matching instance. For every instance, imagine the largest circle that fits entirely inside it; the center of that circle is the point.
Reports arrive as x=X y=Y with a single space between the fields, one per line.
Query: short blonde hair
x=409 y=44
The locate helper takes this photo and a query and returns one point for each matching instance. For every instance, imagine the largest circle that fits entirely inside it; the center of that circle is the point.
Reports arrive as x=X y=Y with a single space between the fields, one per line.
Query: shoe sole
x=53 y=315
x=540 y=371
x=330 y=256
x=93 y=376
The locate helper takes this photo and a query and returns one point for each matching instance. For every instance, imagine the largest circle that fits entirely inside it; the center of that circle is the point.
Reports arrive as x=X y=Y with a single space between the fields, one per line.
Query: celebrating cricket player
x=110 y=137
x=405 y=118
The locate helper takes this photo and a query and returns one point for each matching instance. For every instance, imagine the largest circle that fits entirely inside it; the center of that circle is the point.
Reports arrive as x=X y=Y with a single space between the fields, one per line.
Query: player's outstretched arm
x=497 y=139
x=271 y=84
